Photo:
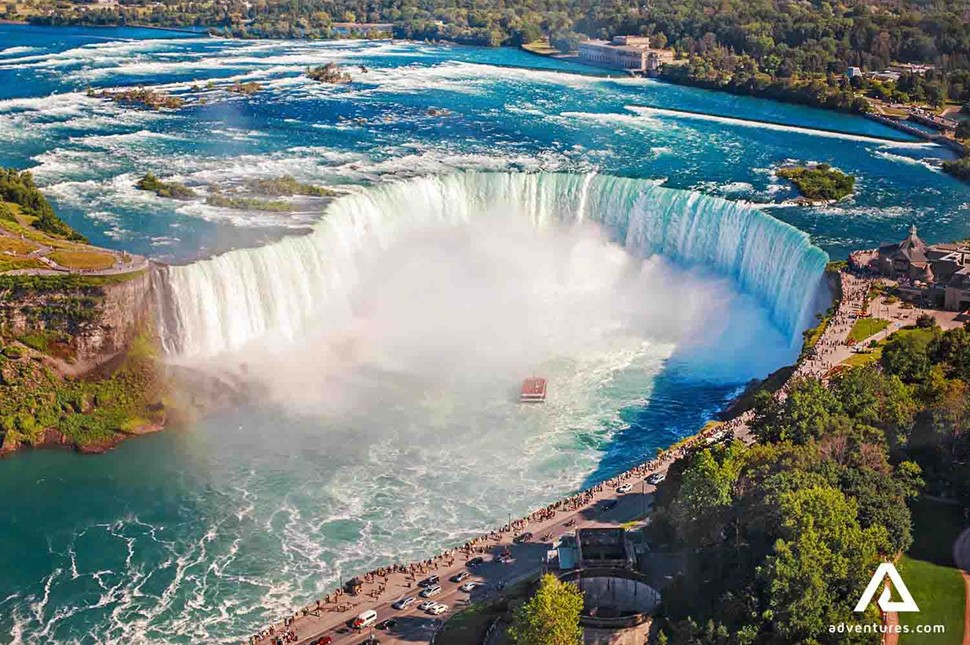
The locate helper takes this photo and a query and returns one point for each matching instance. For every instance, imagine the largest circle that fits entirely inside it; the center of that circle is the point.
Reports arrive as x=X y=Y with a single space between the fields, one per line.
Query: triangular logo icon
x=887 y=569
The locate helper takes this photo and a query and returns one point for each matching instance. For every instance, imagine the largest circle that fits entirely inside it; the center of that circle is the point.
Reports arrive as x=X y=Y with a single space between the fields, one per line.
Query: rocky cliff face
x=92 y=319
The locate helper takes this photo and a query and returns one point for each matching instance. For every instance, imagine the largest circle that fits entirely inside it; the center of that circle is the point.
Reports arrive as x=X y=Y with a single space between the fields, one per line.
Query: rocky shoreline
x=52 y=438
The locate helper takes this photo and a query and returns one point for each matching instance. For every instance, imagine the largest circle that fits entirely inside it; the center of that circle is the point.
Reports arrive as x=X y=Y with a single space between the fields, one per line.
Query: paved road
x=416 y=626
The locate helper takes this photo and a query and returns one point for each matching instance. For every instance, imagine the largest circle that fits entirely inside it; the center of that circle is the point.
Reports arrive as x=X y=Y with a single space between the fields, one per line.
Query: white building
x=625 y=52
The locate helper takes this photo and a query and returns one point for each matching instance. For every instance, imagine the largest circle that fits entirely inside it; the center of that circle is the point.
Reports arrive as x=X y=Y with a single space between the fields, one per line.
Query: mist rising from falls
x=272 y=293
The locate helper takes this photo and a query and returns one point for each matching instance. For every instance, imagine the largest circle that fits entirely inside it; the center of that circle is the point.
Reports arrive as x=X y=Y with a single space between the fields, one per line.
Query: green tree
x=907 y=355
x=705 y=492
x=551 y=616
x=567 y=42
x=963 y=130
x=822 y=558
x=873 y=398
x=806 y=413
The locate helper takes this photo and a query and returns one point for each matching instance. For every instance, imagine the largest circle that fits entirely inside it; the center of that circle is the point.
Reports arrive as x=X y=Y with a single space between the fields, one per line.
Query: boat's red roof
x=534 y=386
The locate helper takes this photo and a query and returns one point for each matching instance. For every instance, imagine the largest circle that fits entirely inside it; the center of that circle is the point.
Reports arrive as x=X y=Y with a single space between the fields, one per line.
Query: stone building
x=906 y=259
x=629 y=57
x=604 y=547
x=937 y=275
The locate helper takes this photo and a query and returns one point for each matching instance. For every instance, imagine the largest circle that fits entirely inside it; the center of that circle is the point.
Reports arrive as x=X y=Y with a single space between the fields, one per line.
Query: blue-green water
x=206 y=532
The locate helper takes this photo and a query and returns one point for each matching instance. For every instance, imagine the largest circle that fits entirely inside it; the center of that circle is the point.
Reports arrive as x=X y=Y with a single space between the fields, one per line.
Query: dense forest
x=795 y=49
x=782 y=536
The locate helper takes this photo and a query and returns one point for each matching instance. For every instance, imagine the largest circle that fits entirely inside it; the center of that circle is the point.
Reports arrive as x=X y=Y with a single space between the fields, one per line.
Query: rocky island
x=329 y=73
x=249 y=196
x=170 y=189
x=140 y=97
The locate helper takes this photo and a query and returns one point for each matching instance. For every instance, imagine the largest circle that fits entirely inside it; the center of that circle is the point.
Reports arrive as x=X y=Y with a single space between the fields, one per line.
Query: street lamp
x=643 y=493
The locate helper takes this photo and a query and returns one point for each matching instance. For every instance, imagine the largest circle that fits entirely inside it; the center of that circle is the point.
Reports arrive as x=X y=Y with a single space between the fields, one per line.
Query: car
x=365 y=620
x=433 y=590
x=608 y=504
x=390 y=623
x=461 y=575
x=468 y=586
x=403 y=603
x=625 y=488
x=476 y=561
x=656 y=478
x=430 y=580
x=504 y=558
x=370 y=641
x=325 y=640
x=438 y=609
x=426 y=605
x=522 y=537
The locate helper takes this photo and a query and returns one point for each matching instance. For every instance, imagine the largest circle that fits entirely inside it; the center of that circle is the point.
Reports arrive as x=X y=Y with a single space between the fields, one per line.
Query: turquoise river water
x=625 y=238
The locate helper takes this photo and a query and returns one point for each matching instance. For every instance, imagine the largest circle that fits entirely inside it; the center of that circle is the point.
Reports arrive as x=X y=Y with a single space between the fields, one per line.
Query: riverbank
x=78 y=366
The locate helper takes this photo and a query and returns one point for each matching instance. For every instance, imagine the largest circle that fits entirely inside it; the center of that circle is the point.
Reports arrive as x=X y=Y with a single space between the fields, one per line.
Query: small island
x=140 y=97
x=819 y=182
x=216 y=198
x=287 y=186
x=249 y=196
x=329 y=73
x=170 y=189
x=251 y=87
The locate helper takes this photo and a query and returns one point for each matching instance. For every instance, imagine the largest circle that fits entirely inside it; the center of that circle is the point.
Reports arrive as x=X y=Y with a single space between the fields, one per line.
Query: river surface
x=376 y=441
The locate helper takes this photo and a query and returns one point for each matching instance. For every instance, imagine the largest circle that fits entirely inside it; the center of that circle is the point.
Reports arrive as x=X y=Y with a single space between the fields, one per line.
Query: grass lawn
x=83 y=259
x=23 y=227
x=939 y=592
x=866 y=327
x=10 y=263
x=861 y=360
x=16 y=245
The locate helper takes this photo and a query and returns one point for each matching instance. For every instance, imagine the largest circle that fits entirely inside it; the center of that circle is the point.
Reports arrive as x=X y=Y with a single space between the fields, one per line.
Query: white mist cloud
x=463 y=308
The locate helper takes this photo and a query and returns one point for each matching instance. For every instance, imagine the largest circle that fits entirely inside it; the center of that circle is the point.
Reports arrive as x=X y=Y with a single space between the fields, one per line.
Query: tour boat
x=533 y=390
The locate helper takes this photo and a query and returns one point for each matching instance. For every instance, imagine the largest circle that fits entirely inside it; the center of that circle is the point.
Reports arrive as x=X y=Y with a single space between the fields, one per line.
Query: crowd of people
x=817 y=363
x=276 y=635
x=820 y=359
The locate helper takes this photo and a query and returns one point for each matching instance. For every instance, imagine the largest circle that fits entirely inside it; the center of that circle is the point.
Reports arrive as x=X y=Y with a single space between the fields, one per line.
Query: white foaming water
x=272 y=292
x=650 y=113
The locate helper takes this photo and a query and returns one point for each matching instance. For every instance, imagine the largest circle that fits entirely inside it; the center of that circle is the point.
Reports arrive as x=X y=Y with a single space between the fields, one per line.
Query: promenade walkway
x=832 y=348
x=330 y=616
x=122 y=262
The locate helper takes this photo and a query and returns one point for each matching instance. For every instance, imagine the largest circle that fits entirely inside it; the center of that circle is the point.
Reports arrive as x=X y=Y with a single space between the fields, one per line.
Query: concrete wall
x=619 y=594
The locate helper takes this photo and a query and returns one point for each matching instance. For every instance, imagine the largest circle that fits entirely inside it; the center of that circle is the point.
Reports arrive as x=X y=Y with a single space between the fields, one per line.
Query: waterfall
x=271 y=292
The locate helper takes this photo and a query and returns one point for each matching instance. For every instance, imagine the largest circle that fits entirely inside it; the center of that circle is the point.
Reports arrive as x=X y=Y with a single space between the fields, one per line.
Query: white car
x=625 y=488
x=438 y=609
x=433 y=590
x=403 y=603
x=467 y=587
x=656 y=478
x=426 y=605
